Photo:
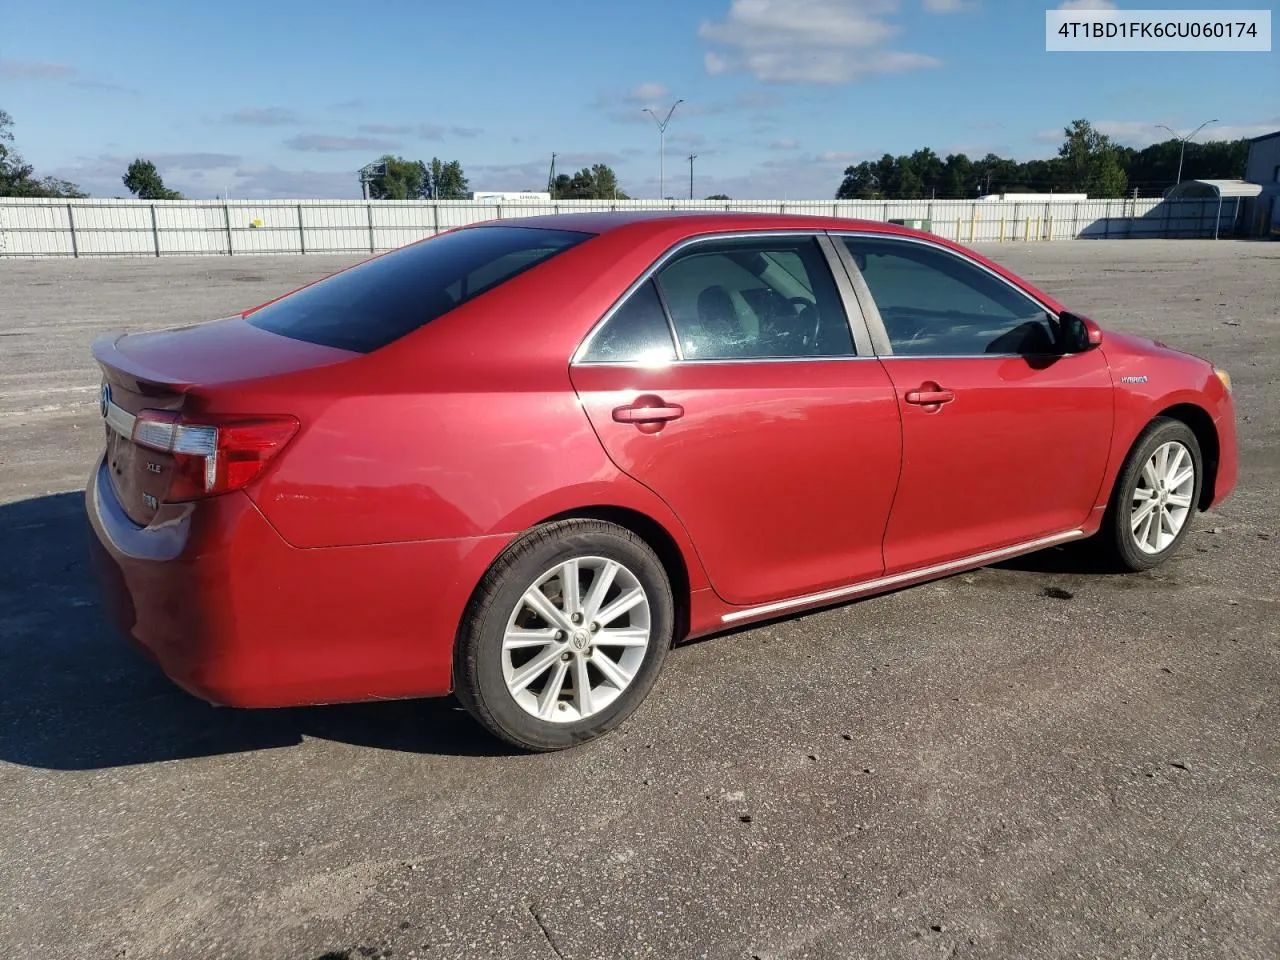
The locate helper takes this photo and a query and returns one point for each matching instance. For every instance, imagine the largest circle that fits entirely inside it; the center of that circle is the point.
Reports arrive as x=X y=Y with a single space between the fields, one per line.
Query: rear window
x=371 y=305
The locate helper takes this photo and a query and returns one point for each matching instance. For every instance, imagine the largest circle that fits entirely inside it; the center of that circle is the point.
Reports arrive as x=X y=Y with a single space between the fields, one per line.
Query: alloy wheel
x=576 y=639
x=1162 y=497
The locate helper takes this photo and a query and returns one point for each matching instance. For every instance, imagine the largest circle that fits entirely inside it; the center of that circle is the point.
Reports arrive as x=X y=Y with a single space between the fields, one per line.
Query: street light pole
x=662 y=147
x=1183 y=140
x=692 y=157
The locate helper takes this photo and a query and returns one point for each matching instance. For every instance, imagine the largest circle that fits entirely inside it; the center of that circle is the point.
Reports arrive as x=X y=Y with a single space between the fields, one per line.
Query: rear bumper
x=238 y=617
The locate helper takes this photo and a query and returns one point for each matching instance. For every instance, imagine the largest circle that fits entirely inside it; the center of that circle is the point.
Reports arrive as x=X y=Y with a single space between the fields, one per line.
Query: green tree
x=957 y=177
x=1090 y=162
x=143 y=180
x=17 y=177
x=445 y=181
x=928 y=169
x=860 y=183
x=719 y=196
x=398 y=179
x=597 y=182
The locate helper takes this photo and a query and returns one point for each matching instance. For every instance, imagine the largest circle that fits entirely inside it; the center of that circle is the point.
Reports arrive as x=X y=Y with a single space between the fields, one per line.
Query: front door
x=728 y=383
x=1005 y=439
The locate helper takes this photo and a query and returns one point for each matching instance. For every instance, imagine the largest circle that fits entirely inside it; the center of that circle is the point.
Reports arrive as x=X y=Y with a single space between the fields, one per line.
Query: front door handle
x=648 y=413
x=929 y=395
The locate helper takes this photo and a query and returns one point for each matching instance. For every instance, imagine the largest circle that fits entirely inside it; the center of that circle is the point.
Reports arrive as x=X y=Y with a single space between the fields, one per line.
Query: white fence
x=140 y=228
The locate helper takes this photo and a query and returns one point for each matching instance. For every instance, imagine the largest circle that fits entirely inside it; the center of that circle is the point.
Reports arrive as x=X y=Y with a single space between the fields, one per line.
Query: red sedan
x=518 y=460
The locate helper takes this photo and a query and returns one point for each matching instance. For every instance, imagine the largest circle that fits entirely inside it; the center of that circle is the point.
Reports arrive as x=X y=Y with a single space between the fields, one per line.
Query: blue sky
x=279 y=98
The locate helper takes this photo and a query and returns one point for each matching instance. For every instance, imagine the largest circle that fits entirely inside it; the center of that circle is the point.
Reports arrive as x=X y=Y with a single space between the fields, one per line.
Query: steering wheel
x=805 y=305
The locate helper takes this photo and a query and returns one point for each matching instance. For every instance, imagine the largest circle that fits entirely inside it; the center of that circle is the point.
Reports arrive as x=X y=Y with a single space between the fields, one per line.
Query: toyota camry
x=516 y=461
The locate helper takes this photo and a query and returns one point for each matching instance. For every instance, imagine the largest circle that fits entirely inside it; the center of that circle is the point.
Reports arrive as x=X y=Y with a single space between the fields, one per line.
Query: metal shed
x=1213 y=189
x=1233 y=198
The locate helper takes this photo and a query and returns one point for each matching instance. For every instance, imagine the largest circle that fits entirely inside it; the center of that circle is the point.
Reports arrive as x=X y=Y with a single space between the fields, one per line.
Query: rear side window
x=371 y=305
x=637 y=331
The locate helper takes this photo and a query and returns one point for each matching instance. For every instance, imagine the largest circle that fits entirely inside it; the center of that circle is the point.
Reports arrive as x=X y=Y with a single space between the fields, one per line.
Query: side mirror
x=1078 y=333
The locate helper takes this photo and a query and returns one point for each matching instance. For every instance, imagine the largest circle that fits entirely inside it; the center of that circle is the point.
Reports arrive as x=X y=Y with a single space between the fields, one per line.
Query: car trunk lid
x=162 y=371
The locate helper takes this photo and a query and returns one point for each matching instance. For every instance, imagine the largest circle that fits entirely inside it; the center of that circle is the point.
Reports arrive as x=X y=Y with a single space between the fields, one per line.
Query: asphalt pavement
x=1026 y=761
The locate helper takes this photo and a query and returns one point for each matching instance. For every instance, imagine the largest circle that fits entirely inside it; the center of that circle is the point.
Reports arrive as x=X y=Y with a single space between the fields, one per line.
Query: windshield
x=377 y=302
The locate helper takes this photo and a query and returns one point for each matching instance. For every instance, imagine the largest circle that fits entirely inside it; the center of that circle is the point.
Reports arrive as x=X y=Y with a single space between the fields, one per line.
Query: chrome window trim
x=880 y=334
x=893 y=580
x=675 y=249
x=667 y=364
x=855 y=316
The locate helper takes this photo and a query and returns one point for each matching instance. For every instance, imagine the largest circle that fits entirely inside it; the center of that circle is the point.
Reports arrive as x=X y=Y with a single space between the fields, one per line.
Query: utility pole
x=692 y=157
x=662 y=147
x=1183 y=140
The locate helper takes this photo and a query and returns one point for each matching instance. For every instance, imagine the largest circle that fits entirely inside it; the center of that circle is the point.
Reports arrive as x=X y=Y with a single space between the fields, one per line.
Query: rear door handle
x=649 y=413
x=929 y=394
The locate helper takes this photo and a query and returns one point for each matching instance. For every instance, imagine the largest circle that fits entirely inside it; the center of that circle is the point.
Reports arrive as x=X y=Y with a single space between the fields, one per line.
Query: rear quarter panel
x=468 y=427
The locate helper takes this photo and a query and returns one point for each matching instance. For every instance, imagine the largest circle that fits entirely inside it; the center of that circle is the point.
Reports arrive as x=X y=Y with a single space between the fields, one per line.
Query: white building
x=516 y=197
x=1033 y=197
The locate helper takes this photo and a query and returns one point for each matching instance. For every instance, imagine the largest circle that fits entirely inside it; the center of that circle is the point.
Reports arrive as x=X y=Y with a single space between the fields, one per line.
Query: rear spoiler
x=135 y=374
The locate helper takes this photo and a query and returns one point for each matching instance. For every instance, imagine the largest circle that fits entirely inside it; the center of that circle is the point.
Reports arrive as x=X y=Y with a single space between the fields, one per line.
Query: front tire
x=1155 y=496
x=565 y=636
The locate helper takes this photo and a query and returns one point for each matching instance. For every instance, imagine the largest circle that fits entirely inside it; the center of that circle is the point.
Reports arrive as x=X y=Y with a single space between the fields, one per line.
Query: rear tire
x=1155 y=497
x=565 y=635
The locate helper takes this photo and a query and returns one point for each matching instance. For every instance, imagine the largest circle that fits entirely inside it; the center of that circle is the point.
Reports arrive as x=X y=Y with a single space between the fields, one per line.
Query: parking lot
x=1026 y=761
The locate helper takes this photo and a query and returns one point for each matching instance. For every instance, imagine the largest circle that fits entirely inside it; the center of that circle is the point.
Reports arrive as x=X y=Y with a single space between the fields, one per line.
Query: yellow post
x=1026 y=229
x=1038 y=236
x=1002 y=229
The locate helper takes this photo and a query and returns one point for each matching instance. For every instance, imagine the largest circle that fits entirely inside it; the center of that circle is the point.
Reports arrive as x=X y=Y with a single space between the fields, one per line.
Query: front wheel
x=565 y=636
x=1155 y=496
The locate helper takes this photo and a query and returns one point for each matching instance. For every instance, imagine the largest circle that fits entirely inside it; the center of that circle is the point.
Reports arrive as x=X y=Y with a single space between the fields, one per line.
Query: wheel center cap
x=579 y=639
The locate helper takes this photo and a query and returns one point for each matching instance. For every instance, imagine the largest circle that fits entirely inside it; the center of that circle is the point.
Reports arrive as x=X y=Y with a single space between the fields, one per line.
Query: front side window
x=755 y=298
x=371 y=305
x=936 y=304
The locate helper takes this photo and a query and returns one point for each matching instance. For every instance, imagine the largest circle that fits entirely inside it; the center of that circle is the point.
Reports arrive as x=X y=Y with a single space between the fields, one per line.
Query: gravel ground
x=1023 y=761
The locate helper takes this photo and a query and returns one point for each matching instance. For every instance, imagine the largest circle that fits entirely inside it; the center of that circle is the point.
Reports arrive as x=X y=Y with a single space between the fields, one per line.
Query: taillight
x=212 y=457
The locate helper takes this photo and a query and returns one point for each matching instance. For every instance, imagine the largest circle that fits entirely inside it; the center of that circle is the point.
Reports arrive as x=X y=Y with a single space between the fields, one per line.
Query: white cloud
x=1142 y=133
x=647 y=93
x=269 y=181
x=824 y=42
x=17 y=70
x=323 y=143
x=1087 y=5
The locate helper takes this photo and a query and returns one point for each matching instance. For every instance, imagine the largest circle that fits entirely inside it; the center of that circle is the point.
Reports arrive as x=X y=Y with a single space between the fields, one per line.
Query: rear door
x=728 y=381
x=1005 y=438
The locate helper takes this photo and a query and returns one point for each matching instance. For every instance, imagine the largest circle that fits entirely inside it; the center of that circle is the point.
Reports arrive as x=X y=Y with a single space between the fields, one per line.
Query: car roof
x=646 y=222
